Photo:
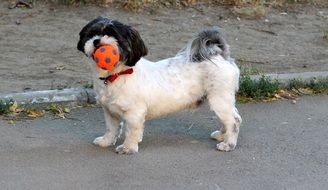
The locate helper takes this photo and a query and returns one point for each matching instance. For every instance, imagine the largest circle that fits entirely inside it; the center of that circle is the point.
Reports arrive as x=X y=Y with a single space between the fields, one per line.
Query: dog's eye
x=96 y=42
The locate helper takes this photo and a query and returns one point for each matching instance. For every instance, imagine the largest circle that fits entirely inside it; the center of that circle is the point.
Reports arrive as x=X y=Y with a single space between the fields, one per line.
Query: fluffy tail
x=208 y=43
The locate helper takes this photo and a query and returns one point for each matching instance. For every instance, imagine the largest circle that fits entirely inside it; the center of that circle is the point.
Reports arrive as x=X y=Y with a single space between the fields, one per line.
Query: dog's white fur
x=167 y=86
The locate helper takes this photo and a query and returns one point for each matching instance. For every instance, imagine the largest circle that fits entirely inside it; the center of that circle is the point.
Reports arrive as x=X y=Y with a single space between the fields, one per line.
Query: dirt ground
x=38 y=45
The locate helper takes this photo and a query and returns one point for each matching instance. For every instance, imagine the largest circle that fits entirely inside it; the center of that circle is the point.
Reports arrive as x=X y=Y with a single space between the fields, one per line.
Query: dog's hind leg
x=134 y=122
x=219 y=135
x=112 y=131
x=223 y=105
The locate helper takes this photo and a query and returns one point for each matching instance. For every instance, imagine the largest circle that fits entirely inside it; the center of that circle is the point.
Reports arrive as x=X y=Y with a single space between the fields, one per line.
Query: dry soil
x=38 y=45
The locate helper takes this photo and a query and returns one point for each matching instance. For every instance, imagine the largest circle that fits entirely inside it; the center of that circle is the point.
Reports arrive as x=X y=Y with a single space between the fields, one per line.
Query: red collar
x=113 y=77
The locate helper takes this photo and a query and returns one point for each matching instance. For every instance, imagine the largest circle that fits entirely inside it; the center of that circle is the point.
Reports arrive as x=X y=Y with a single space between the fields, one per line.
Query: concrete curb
x=285 y=78
x=76 y=95
x=81 y=95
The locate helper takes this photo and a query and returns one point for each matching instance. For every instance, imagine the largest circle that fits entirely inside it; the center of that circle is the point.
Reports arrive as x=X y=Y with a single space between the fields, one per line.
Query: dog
x=203 y=70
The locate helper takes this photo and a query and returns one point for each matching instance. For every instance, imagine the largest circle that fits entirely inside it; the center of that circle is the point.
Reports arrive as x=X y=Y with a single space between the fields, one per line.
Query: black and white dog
x=148 y=90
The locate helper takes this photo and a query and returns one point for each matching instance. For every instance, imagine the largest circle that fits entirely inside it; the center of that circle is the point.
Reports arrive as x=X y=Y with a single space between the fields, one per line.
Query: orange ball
x=106 y=57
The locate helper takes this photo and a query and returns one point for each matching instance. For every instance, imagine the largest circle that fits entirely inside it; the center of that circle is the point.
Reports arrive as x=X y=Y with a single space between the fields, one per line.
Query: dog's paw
x=140 y=138
x=122 y=149
x=223 y=146
x=104 y=141
x=217 y=135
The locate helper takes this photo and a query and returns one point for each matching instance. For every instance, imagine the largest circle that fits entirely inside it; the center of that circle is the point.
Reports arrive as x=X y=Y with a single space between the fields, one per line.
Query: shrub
x=264 y=87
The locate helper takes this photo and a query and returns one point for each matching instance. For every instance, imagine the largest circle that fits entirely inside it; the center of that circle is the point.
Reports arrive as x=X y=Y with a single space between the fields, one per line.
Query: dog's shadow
x=180 y=129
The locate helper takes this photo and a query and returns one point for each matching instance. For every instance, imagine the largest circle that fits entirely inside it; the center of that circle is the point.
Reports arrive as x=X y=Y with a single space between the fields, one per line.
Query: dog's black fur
x=132 y=47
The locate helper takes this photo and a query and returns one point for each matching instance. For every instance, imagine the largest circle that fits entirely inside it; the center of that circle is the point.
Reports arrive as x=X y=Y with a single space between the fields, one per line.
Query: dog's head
x=106 y=31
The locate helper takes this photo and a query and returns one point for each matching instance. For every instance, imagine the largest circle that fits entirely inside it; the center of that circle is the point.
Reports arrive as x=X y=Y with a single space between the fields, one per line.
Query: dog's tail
x=206 y=44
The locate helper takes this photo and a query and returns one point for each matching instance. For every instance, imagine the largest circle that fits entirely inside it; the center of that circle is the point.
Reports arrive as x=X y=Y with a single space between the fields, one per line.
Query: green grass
x=88 y=85
x=5 y=106
x=265 y=87
x=318 y=86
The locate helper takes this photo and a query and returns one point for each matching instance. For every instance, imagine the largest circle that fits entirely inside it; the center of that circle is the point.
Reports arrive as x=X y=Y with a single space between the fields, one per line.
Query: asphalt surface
x=281 y=146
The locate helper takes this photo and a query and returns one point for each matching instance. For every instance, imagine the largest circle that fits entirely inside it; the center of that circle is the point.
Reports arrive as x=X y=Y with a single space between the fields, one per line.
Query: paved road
x=281 y=146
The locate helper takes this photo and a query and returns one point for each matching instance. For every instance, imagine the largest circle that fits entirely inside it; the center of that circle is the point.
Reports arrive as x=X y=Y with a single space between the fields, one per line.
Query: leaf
x=244 y=99
x=61 y=115
x=18 y=110
x=306 y=91
x=270 y=99
x=12 y=122
x=282 y=94
x=54 y=108
x=67 y=110
x=35 y=114
x=58 y=110
x=60 y=67
x=13 y=106
x=294 y=90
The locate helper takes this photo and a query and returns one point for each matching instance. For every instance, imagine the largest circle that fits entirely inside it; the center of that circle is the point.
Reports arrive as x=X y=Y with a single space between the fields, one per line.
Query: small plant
x=315 y=86
x=58 y=110
x=320 y=85
x=5 y=106
x=61 y=86
x=88 y=85
x=269 y=90
x=262 y=88
x=295 y=84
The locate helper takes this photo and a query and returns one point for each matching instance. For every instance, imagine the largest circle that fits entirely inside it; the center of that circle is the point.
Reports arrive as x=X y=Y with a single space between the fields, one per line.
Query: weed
x=295 y=84
x=5 y=106
x=262 y=88
x=88 y=85
x=58 y=110
x=61 y=86
x=317 y=86
x=268 y=90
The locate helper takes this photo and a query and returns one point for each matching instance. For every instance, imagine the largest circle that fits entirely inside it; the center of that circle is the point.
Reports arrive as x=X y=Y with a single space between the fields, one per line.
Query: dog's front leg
x=134 y=129
x=112 y=130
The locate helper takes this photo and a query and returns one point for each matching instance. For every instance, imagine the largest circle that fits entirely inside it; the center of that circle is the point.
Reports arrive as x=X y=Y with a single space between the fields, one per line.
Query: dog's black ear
x=80 y=45
x=138 y=47
x=131 y=45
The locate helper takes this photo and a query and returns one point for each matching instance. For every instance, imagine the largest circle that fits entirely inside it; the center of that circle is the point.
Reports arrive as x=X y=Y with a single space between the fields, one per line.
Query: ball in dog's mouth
x=106 y=57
